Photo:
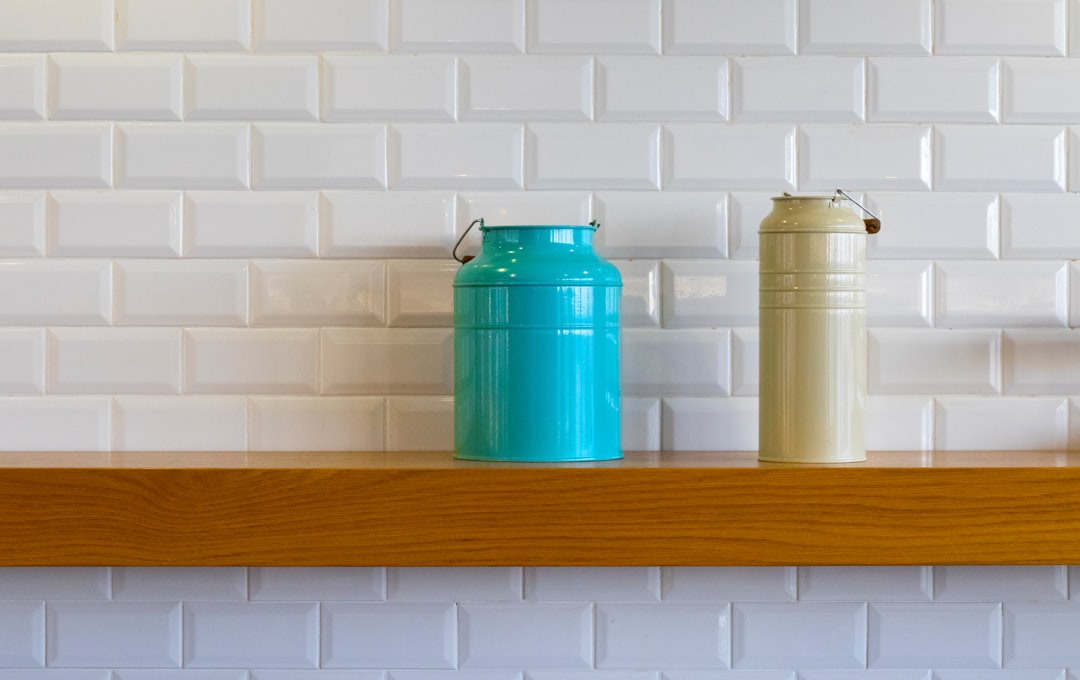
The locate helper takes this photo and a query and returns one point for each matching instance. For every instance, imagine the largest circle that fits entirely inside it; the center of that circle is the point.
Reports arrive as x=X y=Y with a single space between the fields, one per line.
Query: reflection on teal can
x=536 y=347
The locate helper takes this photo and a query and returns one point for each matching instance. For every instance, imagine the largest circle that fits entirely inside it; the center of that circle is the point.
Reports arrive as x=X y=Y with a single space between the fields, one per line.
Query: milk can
x=812 y=288
x=536 y=347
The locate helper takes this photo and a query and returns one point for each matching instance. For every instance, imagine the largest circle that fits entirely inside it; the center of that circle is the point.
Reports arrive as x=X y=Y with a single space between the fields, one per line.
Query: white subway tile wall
x=227 y=225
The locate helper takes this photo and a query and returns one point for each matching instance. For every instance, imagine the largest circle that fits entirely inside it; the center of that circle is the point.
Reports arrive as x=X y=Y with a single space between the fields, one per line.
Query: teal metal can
x=536 y=347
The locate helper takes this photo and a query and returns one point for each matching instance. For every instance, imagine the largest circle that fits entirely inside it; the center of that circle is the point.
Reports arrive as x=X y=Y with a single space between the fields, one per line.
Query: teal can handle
x=465 y=258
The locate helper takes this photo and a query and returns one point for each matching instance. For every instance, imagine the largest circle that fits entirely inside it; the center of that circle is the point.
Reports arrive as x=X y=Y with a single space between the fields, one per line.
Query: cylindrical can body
x=812 y=297
x=536 y=348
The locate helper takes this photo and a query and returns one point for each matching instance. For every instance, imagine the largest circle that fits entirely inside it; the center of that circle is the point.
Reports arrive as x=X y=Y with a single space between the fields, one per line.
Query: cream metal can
x=812 y=291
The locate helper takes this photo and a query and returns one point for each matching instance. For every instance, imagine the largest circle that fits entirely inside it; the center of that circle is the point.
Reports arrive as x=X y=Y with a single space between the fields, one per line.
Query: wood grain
x=428 y=510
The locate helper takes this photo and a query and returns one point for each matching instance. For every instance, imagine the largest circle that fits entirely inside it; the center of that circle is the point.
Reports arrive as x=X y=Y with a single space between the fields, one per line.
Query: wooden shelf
x=426 y=509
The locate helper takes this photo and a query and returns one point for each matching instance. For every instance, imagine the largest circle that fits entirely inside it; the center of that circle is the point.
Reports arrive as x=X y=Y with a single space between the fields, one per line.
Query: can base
x=498 y=458
x=851 y=458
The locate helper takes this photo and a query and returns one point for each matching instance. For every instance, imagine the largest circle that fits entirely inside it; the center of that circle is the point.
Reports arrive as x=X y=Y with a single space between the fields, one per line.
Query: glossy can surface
x=812 y=298
x=536 y=348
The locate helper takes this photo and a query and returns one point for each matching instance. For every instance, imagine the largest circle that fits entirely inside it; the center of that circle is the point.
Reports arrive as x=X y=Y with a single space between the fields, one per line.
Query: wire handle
x=873 y=225
x=465 y=258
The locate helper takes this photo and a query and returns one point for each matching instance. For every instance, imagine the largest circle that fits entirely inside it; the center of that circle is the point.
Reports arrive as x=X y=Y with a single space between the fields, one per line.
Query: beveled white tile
x=56 y=292
x=583 y=675
x=316 y=424
x=746 y=211
x=899 y=293
x=690 y=635
x=937 y=89
x=453 y=584
x=192 y=25
x=62 y=25
x=1034 y=27
x=1001 y=424
x=473 y=156
x=181 y=292
x=1039 y=226
x=798 y=89
x=961 y=635
x=369 y=87
x=1039 y=634
x=839 y=27
x=609 y=584
x=1041 y=361
x=318 y=293
x=310 y=156
x=22 y=363
x=702 y=157
x=653 y=225
x=389 y=634
x=878 y=584
x=1036 y=90
x=1074 y=294
x=868 y=157
x=531 y=88
x=108 y=634
x=742 y=675
x=999 y=158
x=419 y=423
x=744 y=361
x=55 y=583
x=640 y=301
x=157 y=674
x=316 y=583
x=934 y=225
x=275 y=87
x=457 y=675
x=678 y=362
x=640 y=424
x=396 y=224
x=99 y=361
x=729 y=27
x=1042 y=674
x=709 y=424
x=246 y=634
x=420 y=293
x=662 y=88
x=22 y=86
x=250 y=361
x=463 y=26
x=174 y=423
x=114 y=86
x=1008 y=583
x=247 y=224
x=816 y=635
x=179 y=583
x=924 y=361
x=1015 y=293
x=387 y=361
x=896 y=423
x=583 y=156
x=60 y=674
x=183 y=156
x=1074 y=442
x=709 y=293
x=316 y=25
x=54 y=423
x=715 y=584
x=539 y=636
x=124 y=224
x=586 y=26
x=1074 y=159
x=22 y=223
x=55 y=155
